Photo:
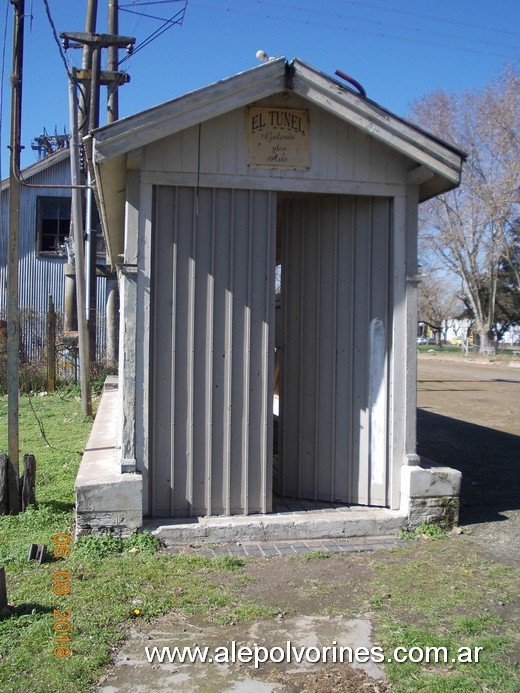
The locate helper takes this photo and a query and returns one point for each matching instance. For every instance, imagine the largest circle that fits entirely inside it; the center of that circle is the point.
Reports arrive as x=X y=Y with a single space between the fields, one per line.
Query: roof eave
x=110 y=144
x=442 y=159
x=39 y=166
x=173 y=116
x=109 y=192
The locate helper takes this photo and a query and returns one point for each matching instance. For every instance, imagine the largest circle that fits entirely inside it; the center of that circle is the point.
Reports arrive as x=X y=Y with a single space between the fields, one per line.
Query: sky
x=398 y=50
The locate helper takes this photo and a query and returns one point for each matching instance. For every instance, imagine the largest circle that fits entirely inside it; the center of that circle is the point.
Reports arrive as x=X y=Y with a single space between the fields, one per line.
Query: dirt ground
x=468 y=418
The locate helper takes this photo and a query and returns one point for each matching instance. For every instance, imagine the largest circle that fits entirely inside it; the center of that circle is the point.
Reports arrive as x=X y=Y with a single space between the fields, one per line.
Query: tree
x=507 y=311
x=472 y=230
x=437 y=303
x=507 y=299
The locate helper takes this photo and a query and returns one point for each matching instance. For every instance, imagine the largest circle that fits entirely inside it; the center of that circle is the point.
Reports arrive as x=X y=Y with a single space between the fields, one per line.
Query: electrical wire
x=386 y=8
x=149 y=2
x=176 y=19
x=295 y=15
x=431 y=32
x=55 y=35
x=70 y=73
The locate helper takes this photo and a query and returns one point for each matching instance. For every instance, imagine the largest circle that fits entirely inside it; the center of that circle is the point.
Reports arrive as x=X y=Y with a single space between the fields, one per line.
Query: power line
x=55 y=35
x=387 y=9
x=433 y=18
x=176 y=19
x=382 y=34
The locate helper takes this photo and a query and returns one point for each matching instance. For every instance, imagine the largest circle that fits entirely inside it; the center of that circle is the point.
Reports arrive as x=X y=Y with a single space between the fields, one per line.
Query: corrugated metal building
x=202 y=198
x=44 y=222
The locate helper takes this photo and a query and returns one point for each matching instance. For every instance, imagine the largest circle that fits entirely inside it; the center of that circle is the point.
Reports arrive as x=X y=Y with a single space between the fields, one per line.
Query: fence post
x=28 y=482
x=4 y=485
x=3 y=590
x=51 y=346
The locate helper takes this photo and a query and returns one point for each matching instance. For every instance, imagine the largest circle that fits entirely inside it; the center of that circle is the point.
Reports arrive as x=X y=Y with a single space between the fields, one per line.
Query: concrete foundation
x=108 y=499
x=430 y=493
x=311 y=524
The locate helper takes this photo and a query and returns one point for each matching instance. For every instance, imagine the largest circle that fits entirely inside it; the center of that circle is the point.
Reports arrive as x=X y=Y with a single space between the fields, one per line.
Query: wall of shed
x=342 y=158
x=344 y=161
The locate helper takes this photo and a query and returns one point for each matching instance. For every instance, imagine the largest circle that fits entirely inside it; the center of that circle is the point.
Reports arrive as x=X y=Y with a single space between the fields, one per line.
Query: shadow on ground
x=488 y=459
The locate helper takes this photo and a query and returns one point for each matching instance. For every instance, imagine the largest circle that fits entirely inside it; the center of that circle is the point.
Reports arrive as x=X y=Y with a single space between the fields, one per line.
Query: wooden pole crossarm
x=97 y=40
x=106 y=77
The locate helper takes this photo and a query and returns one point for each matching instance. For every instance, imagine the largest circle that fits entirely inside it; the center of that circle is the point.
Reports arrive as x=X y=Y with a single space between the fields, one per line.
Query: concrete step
x=313 y=524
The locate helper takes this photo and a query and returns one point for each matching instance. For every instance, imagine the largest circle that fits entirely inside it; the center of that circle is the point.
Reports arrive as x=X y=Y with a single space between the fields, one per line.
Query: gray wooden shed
x=202 y=199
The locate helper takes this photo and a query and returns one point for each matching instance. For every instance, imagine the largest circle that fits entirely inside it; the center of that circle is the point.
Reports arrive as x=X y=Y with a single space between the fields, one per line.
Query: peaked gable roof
x=39 y=166
x=438 y=163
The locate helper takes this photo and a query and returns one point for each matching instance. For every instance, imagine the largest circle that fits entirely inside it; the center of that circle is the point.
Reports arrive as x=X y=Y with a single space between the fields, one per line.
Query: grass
x=442 y=596
x=111 y=580
x=502 y=354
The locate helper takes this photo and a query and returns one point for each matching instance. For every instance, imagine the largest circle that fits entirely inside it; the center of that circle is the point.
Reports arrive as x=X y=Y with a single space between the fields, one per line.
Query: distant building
x=44 y=228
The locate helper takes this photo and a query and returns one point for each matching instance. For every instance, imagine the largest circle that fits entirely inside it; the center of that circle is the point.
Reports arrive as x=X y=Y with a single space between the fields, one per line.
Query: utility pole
x=85 y=117
x=78 y=110
x=13 y=319
x=112 y=286
x=77 y=229
x=89 y=119
x=113 y=62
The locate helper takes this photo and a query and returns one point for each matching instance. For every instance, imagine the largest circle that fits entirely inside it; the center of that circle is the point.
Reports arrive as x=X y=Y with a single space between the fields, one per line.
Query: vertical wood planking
x=228 y=356
x=344 y=270
x=212 y=346
x=163 y=362
x=361 y=306
x=182 y=351
x=402 y=391
x=202 y=348
x=336 y=280
x=319 y=432
x=240 y=336
x=222 y=222
x=379 y=297
x=265 y=500
x=210 y=323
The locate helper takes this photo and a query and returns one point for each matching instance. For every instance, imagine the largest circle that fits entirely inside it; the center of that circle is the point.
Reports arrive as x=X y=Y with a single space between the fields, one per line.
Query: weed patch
x=424 y=531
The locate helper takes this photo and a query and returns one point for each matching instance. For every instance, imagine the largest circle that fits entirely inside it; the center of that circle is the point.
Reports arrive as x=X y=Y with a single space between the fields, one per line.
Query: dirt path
x=468 y=418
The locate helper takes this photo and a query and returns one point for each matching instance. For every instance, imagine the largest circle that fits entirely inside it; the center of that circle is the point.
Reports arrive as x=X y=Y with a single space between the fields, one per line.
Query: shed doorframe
x=344 y=472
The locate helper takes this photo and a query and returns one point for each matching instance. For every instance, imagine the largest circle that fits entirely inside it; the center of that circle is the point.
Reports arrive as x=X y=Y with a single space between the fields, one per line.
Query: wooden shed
x=265 y=233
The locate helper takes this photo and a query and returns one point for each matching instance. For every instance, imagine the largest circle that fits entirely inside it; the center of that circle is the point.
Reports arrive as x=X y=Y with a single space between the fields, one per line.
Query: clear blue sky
x=399 y=50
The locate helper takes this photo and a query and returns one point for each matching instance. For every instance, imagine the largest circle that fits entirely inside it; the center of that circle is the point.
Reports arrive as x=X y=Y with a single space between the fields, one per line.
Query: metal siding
x=358 y=493
x=213 y=361
x=379 y=306
x=336 y=281
x=163 y=363
x=40 y=276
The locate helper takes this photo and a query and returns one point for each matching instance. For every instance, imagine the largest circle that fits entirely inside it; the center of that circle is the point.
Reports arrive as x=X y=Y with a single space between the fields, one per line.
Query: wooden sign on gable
x=277 y=137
